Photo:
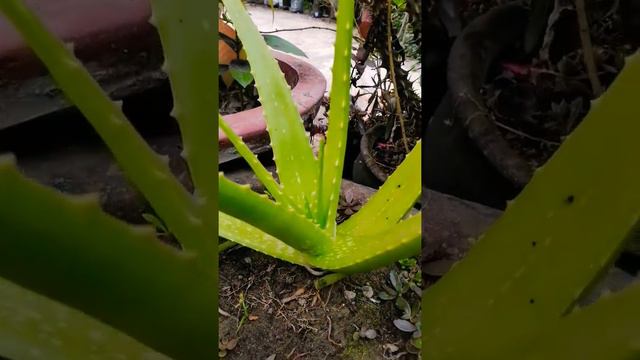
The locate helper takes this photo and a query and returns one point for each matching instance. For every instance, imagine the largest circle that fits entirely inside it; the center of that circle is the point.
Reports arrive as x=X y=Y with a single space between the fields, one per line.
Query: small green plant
x=76 y=283
x=514 y=295
x=403 y=285
x=245 y=311
x=408 y=263
x=233 y=60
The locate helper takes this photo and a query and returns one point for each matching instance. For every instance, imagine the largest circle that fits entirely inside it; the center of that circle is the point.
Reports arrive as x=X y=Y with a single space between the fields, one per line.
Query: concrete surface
x=316 y=43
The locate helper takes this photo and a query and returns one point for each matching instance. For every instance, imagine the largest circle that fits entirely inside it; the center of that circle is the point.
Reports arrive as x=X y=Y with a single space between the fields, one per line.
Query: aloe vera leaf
x=187 y=31
x=607 y=329
x=147 y=170
x=263 y=175
x=392 y=201
x=297 y=167
x=340 y=100
x=34 y=327
x=67 y=249
x=244 y=234
x=321 y=144
x=354 y=254
x=327 y=280
x=273 y=218
x=551 y=244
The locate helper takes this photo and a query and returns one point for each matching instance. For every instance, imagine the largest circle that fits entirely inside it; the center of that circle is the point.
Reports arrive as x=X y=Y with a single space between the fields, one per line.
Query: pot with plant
x=366 y=169
x=393 y=109
x=520 y=80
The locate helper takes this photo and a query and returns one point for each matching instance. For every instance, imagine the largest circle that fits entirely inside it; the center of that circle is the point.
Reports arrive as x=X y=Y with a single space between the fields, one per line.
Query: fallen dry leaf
x=295 y=295
x=228 y=344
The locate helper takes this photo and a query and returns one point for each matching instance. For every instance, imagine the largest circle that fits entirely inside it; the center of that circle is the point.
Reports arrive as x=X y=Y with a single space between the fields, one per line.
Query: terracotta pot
x=366 y=20
x=308 y=87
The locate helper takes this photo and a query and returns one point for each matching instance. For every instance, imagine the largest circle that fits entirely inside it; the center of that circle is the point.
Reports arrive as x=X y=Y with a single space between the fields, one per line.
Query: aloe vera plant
x=514 y=295
x=298 y=222
x=77 y=283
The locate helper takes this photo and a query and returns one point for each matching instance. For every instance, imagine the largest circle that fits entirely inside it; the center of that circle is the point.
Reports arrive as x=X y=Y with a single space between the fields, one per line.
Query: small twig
x=402 y=34
x=304 y=28
x=296 y=29
x=314 y=272
x=329 y=334
x=587 y=49
x=614 y=8
x=392 y=72
x=525 y=135
x=329 y=294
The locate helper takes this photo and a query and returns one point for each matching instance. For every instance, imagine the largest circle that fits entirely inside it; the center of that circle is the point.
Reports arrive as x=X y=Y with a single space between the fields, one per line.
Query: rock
x=349 y=295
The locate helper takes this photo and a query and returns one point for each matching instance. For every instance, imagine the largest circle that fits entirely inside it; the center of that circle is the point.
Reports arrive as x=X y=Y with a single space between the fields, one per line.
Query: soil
x=287 y=317
x=235 y=98
x=389 y=154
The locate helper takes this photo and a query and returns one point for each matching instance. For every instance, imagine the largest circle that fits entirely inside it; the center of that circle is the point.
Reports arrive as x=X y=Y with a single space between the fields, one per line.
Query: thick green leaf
x=275 y=219
x=241 y=72
x=33 y=327
x=148 y=171
x=346 y=254
x=263 y=175
x=297 y=167
x=187 y=31
x=157 y=223
x=280 y=44
x=67 y=249
x=353 y=254
x=551 y=244
x=608 y=329
x=392 y=201
x=340 y=101
x=244 y=234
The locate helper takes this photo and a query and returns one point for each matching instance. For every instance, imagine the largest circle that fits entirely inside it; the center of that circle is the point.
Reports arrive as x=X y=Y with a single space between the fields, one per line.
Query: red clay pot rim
x=307 y=94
